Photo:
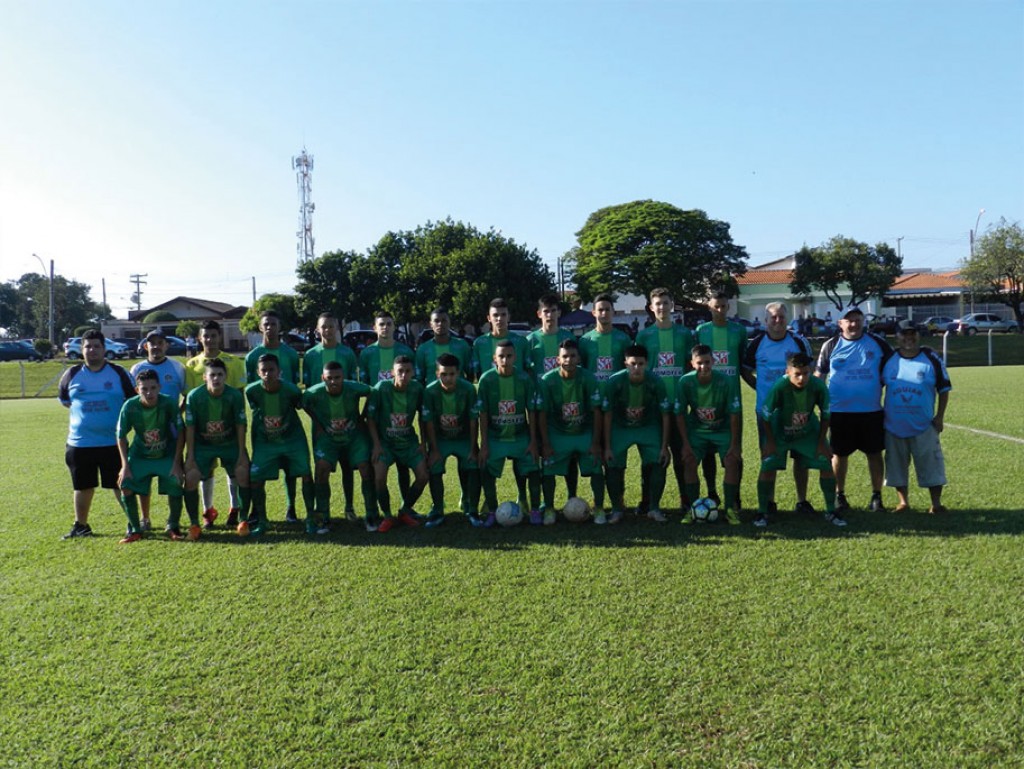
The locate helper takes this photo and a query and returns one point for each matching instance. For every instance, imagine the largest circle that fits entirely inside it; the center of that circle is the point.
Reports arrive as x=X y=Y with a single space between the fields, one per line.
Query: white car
x=983 y=321
x=73 y=349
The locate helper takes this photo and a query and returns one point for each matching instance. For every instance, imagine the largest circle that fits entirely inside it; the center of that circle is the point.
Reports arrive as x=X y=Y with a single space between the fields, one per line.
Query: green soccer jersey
x=668 y=350
x=196 y=367
x=506 y=401
x=215 y=418
x=707 y=407
x=569 y=403
x=728 y=345
x=376 y=363
x=156 y=428
x=317 y=357
x=336 y=415
x=275 y=416
x=286 y=357
x=395 y=413
x=543 y=350
x=485 y=345
x=452 y=412
x=791 y=411
x=604 y=354
x=635 y=405
x=428 y=353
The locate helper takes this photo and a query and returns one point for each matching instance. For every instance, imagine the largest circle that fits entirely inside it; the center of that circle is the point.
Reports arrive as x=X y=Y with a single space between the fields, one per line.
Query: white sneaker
x=656 y=515
x=371 y=527
x=835 y=519
x=600 y=519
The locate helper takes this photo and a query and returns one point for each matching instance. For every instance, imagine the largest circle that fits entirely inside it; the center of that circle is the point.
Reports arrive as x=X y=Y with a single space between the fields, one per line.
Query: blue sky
x=157 y=138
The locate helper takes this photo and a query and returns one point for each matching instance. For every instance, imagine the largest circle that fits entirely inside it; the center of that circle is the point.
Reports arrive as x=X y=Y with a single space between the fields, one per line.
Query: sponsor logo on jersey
x=152 y=438
x=340 y=425
x=572 y=413
x=719 y=357
x=604 y=363
x=800 y=419
x=215 y=429
x=634 y=413
x=273 y=425
x=399 y=420
x=666 y=359
x=449 y=422
x=706 y=413
x=506 y=408
x=550 y=363
x=384 y=376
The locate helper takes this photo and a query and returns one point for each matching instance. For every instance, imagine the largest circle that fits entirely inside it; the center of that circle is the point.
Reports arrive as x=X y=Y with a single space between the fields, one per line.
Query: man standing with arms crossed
x=851 y=364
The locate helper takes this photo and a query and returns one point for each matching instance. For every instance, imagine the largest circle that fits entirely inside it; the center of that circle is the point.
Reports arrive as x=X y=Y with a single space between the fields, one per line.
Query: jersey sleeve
x=124 y=421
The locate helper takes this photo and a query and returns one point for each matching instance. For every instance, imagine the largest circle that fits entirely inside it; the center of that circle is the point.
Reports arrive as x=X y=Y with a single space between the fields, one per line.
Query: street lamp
x=51 y=292
x=974 y=232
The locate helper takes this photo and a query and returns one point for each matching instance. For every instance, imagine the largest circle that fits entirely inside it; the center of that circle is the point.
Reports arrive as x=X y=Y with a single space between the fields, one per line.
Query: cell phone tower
x=303 y=166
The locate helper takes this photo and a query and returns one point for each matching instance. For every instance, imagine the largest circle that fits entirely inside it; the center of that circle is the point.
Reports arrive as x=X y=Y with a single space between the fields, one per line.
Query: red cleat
x=210 y=515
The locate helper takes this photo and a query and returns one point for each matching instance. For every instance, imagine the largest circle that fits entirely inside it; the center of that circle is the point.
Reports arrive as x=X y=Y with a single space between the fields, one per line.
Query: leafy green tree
x=997 y=268
x=9 y=316
x=187 y=328
x=634 y=247
x=72 y=306
x=159 y=316
x=325 y=285
x=846 y=271
x=282 y=304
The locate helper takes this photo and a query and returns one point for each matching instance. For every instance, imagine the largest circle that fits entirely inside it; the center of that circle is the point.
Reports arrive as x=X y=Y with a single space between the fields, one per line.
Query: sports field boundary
x=986 y=433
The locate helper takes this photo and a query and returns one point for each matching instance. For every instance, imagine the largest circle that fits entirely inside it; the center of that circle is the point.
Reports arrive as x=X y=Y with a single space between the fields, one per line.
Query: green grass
x=896 y=642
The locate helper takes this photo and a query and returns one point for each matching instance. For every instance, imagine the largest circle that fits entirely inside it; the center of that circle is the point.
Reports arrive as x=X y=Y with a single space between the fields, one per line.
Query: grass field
x=898 y=641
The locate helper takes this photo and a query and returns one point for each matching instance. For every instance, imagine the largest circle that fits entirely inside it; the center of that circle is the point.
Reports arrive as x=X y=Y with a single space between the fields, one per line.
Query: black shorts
x=852 y=431
x=84 y=463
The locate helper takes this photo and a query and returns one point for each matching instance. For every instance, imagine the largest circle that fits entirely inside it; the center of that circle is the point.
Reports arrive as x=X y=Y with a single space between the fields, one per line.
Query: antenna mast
x=303 y=165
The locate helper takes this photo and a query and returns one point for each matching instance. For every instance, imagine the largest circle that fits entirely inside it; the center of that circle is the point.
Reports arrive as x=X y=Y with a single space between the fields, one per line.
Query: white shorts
x=929 y=464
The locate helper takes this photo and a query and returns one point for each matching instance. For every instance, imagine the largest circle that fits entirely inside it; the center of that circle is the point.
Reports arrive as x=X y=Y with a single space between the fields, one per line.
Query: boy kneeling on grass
x=792 y=427
x=155 y=452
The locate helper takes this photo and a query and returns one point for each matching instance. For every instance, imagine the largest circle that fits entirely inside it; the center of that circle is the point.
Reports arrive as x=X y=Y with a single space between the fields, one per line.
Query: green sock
x=533 y=481
x=471 y=491
x=412 y=496
x=259 y=504
x=828 y=488
x=309 y=497
x=322 y=492
x=521 y=492
x=245 y=496
x=765 y=495
x=174 y=516
x=384 y=500
x=657 y=485
x=549 y=491
x=732 y=492
x=597 y=487
x=192 y=506
x=692 y=491
x=130 y=503
x=369 y=490
x=490 y=489
x=348 y=487
x=615 y=477
x=289 y=490
x=436 y=493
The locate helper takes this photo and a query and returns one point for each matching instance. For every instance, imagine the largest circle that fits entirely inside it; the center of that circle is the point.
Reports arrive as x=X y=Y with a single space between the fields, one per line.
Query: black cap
x=156 y=332
x=906 y=325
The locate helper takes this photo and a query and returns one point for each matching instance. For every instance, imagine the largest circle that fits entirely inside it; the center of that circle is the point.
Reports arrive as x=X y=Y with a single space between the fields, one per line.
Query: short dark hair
x=446 y=360
x=333 y=365
x=798 y=359
x=569 y=344
x=506 y=342
x=699 y=349
x=267 y=358
x=382 y=314
x=604 y=298
x=269 y=314
x=548 y=300
x=146 y=375
x=659 y=292
x=215 y=363
x=635 y=351
x=439 y=310
x=210 y=325
x=94 y=333
x=497 y=302
x=401 y=360
x=323 y=315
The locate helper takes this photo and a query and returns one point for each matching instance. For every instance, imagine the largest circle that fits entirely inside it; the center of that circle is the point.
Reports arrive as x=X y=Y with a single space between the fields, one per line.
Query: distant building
x=184 y=308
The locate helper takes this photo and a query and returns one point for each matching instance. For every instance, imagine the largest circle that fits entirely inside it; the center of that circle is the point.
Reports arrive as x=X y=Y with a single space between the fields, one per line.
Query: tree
x=187 y=328
x=72 y=306
x=634 y=247
x=9 y=299
x=325 y=285
x=866 y=271
x=282 y=304
x=996 y=269
x=159 y=316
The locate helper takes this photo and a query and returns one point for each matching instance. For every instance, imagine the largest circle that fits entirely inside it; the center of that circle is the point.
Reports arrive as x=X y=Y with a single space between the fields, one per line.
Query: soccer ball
x=508 y=514
x=576 y=510
x=705 y=510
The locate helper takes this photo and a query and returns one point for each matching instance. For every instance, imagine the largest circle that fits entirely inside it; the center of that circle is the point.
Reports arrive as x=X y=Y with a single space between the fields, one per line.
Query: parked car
x=749 y=326
x=18 y=351
x=298 y=342
x=813 y=327
x=937 y=324
x=984 y=322
x=175 y=346
x=359 y=339
x=73 y=349
x=131 y=344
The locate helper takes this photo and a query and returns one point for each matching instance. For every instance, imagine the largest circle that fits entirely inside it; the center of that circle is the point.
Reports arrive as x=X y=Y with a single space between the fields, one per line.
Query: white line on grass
x=986 y=432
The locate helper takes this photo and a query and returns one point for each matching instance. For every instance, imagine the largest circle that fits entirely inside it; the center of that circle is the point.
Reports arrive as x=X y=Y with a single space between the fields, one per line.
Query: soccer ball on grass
x=704 y=510
x=576 y=510
x=508 y=514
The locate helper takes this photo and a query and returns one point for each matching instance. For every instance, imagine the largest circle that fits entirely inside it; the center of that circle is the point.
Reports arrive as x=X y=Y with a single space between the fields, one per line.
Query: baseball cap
x=155 y=333
x=906 y=325
x=851 y=310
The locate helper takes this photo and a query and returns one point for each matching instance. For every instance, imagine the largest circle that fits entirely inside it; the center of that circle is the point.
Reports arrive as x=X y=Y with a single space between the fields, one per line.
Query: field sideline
x=897 y=642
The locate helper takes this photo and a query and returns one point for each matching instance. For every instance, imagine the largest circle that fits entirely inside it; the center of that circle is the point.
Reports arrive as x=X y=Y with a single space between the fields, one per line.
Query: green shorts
x=646 y=439
x=458 y=449
x=406 y=456
x=702 y=443
x=522 y=463
x=205 y=457
x=145 y=470
x=268 y=459
x=567 y=446
x=804 y=450
x=355 y=451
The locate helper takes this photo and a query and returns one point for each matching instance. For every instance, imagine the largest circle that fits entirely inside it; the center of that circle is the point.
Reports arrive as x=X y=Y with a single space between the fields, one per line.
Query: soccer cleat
x=732 y=517
x=475 y=521
x=688 y=518
x=656 y=515
x=371 y=526
x=174 y=533
x=145 y=524
x=435 y=519
x=193 y=532
x=131 y=536
x=386 y=525
x=408 y=518
x=243 y=528
x=257 y=529
x=323 y=529
x=232 y=521
x=549 y=518
x=835 y=519
x=615 y=517
x=289 y=515
x=804 y=508
x=209 y=516
x=350 y=515
x=490 y=521
x=935 y=509
x=842 y=503
x=875 y=505
x=600 y=518
x=310 y=526
x=536 y=518
x=761 y=521
x=78 y=530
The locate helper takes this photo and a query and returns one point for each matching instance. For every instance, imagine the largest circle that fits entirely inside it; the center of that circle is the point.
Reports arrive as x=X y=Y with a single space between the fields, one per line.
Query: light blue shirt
x=911 y=385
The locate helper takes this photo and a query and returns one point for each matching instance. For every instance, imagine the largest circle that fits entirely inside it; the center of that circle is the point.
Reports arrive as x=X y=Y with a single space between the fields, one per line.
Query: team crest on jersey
x=800 y=418
x=449 y=421
x=706 y=414
x=666 y=359
x=571 y=411
x=384 y=376
x=399 y=420
x=506 y=408
x=215 y=427
x=549 y=364
x=720 y=357
x=604 y=363
x=152 y=438
x=340 y=425
x=273 y=424
x=634 y=413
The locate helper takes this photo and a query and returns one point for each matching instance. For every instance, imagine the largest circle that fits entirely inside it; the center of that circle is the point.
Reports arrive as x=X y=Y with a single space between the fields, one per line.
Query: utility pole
x=137 y=296
x=254 y=289
x=303 y=165
x=50 y=327
x=899 y=252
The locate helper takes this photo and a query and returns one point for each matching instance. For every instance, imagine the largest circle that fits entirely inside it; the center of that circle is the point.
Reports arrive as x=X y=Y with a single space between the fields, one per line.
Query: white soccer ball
x=508 y=514
x=576 y=510
x=705 y=510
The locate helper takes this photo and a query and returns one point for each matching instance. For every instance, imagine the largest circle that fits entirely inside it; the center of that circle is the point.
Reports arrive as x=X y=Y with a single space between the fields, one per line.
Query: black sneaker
x=842 y=503
x=804 y=508
x=761 y=521
x=875 y=505
x=78 y=530
x=835 y=519
x=289 y=516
